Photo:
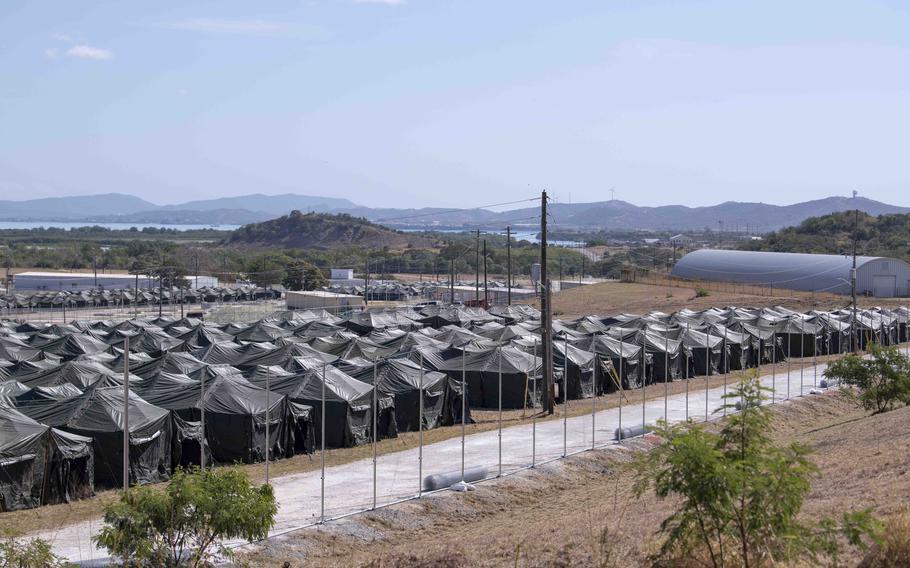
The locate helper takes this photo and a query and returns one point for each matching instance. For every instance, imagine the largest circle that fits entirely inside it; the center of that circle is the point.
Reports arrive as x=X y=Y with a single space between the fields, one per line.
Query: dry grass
x=894 y=550
x=581 y=512
x=615 y=297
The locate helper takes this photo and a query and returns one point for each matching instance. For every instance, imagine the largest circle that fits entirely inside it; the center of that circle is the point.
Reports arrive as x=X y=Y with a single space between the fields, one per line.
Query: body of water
x=112 y=226
x=530 y=236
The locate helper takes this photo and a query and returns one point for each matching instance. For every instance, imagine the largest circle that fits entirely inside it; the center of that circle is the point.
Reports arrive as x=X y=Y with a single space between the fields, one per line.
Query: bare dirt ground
x=582 y=512
x=620 y=297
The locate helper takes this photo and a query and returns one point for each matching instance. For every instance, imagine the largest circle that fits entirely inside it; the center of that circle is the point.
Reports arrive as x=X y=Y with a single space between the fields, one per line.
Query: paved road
x=349 y=487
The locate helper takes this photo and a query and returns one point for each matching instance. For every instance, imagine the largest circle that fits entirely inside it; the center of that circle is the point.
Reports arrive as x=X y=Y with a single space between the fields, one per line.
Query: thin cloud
x=89 y=52
x=62 y=37
x=385 y=2
x=262 y=28
x=52 y=53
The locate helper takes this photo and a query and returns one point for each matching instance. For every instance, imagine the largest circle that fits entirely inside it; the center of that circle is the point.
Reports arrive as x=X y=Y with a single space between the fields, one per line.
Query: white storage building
x=877 y=276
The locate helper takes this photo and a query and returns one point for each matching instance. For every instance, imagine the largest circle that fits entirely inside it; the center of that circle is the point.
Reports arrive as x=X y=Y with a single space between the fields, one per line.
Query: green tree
x=268 y=268
x=883 y=380
x=301 y=275
x=739 y=494
x=185 y=524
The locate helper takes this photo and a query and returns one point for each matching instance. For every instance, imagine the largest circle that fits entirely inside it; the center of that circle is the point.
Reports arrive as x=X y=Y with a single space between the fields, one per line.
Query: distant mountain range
x=602 y=215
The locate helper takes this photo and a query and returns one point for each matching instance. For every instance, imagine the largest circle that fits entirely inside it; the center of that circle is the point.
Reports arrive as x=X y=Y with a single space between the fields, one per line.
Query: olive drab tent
x=100 y=417
x=521 y=374
x=40 y=465
x=624 y=357
x=576 y=371
x=402 y=380
x=704 y=351
x=665 y=353
x=349 y=405
x=236 y=413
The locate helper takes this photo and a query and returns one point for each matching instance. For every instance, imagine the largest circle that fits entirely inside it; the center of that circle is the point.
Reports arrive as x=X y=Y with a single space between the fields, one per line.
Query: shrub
x=883 y=380
x=185 y=523
x=35 y=553
x=894 y=549
x=739 y=494
x=701 y=293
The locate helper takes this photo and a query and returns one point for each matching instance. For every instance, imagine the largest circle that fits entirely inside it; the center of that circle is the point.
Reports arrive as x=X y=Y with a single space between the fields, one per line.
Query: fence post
x=789 y=355
x=815 y=357
x=666 y=368
x=643 y=379
x=707 y=369
x=621 y=358
x=533 y=415
x=464 y=396
x=420 y=436
x=726 y=360
x=499 y=398
x=686 y=354
x=802 y=353
x=322 y=443
x=126 y=413
x=773 y=366
x=375 y=428
x=565 y=397
x=594 y=364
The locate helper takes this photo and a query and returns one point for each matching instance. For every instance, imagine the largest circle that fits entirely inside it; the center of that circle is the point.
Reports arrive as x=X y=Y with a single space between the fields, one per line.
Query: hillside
x=321 y=230
x=272 y=204
x=77 y=207
x=882 y=235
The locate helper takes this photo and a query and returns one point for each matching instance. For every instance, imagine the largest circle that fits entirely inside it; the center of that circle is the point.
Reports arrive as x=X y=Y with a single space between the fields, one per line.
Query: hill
x=881 y=235
x=321 y=230
x=76 y=208
x=271 y=204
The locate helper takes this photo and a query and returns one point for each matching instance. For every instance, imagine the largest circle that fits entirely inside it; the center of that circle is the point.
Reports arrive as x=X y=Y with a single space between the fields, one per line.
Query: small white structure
x=342 y=274
x=316 y=299
x=681 y=240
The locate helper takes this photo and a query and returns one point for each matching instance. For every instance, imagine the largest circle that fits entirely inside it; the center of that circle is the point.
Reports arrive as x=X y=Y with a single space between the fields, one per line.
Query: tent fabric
x=521 y=374
x=100 y=417
x=349 y=406
x=40 y=465
x=402 y=379
x=236 y=414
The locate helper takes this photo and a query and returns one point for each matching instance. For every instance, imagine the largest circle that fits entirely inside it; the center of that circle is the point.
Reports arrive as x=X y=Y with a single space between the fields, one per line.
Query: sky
x=459 y=103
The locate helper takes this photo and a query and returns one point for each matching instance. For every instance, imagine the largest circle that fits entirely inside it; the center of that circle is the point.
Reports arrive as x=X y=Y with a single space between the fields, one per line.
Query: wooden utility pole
x=452 y=283
x=853 y=270
x=509 y=265
x=477 y=266
x=366 y=282
x=546 y=330
x=486 y=291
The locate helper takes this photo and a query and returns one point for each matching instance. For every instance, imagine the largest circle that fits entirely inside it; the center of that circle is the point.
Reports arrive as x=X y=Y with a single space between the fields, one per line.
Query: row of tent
x=133 y=297
x=196 y=388
x=389 y=290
